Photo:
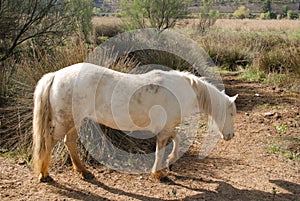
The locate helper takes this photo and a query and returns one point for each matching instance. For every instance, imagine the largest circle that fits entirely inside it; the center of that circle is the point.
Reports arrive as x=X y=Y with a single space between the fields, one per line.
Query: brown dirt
x=240 y=169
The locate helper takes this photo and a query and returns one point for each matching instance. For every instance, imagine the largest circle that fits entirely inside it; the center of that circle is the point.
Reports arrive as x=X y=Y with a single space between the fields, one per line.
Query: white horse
x=156 y=101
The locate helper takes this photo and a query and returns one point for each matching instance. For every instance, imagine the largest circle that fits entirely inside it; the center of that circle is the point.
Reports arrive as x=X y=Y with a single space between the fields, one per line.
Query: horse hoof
x=157 y=175
x=87 y=175
x=45 y=179
x=169 y=166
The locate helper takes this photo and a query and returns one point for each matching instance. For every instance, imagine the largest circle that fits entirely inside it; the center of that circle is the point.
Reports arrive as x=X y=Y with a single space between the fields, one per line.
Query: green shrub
x=241 y=13
x=292 y=15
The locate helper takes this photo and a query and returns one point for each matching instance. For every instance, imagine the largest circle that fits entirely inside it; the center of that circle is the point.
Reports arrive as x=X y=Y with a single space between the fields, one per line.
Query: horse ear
x=233 y=98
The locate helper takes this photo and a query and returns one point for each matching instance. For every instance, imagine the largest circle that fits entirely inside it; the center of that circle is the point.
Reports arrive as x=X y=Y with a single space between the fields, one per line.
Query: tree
x=267 y=6
x=160 y=14
x=41 y=21
x=81 y=12
x=207 y=16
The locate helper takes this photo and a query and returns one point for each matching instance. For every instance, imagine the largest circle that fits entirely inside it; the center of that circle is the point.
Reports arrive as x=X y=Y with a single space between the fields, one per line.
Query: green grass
x=286 y=146
x=253 y=75
x=18 y=157
x=287 y=153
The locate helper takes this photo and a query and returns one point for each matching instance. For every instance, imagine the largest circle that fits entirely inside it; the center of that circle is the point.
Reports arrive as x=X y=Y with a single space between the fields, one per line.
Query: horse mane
x=208 y=95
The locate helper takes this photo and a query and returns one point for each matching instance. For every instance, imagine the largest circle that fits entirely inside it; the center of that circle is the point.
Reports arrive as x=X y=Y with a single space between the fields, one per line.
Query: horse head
x=223 y=117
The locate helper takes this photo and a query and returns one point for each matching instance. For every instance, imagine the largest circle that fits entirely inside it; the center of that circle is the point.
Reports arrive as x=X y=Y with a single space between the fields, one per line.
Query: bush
x=268 y=15
x=241 y=13
x=292 y=15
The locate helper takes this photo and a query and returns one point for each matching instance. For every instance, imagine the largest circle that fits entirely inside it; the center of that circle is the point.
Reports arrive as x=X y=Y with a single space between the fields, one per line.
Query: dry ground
x=241 y=169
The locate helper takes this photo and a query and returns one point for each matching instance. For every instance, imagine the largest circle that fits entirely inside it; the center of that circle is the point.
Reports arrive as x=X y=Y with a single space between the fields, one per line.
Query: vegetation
x=207 y=16
x=288 y=147
x=51 y=36
x=157 y=14
x=241 y=13
x=43 y=23
x=266 y=6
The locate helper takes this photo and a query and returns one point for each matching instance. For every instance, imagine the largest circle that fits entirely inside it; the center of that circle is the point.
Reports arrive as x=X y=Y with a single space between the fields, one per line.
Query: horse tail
x=42 y=138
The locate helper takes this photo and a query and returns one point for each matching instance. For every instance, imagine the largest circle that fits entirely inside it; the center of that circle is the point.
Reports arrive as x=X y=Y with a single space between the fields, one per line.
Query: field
x=257 y=25
x=258 y=60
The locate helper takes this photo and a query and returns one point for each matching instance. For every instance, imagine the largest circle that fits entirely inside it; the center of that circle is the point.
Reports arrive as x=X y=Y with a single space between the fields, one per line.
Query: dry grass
x=106 y=27
x=253 y=25
x=20 y=77
x=106 y=20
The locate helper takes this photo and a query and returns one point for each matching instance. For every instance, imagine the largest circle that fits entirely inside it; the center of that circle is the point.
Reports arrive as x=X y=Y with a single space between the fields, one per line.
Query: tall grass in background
x=270 y=55
x=18 y=80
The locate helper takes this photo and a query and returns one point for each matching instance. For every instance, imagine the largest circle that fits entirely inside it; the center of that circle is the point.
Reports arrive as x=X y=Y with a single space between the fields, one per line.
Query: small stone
x=269 y=114
x=21 y=162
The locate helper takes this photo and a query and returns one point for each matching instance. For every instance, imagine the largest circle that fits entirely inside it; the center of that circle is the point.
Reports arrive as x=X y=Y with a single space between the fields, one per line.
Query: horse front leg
x=71 y=143
x=161 y=142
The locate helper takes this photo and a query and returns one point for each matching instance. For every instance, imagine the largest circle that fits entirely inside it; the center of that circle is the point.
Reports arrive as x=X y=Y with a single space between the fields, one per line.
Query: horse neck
x=209 y=98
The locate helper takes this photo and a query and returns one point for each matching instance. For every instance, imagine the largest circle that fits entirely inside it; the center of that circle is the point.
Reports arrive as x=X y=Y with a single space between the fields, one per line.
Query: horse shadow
x=90 y=196
x=224 y=191
x=72 y=193
x=227 y=192
x=184 y=171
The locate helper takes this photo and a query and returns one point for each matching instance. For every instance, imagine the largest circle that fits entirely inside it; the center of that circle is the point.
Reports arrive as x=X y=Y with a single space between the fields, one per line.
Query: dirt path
x=254 y=165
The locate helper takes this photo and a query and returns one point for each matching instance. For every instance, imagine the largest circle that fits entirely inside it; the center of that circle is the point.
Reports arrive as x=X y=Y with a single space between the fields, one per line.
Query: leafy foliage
x=157 y=14
x=207 y=16
x=44 y=23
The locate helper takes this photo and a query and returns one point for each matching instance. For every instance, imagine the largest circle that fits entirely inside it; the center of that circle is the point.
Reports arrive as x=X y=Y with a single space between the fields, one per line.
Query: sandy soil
x=244 y=168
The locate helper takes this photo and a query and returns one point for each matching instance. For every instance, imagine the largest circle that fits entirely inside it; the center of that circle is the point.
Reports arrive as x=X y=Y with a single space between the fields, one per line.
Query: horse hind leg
x=71 y=143
x=45 y=161
x=173 y=156
x=43 y=150
x=161 y=142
